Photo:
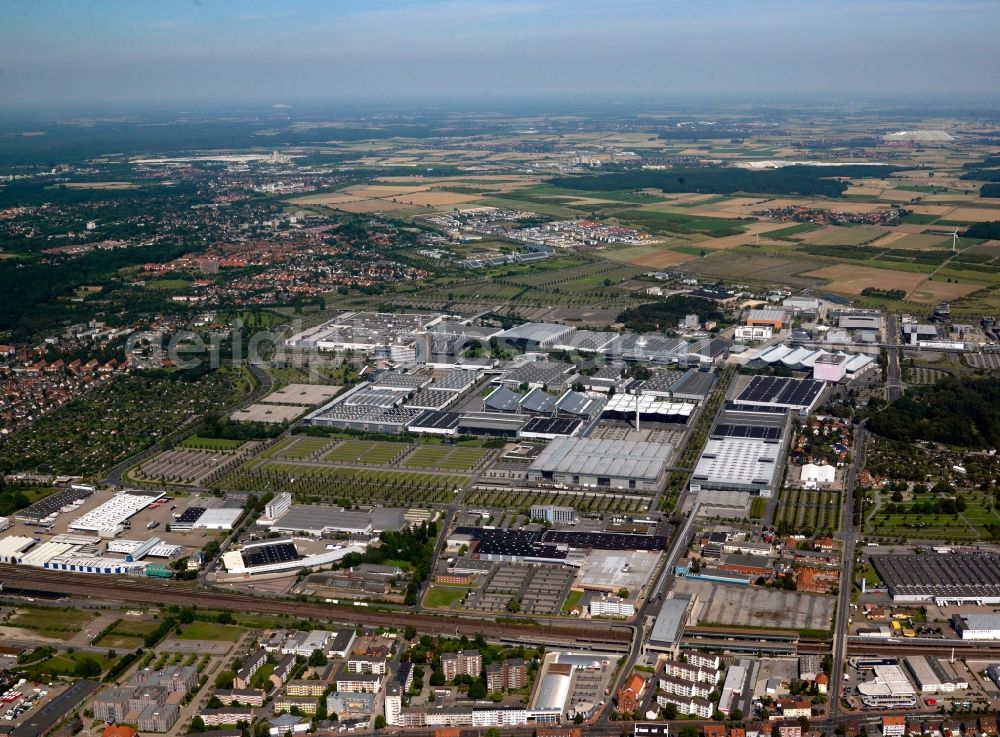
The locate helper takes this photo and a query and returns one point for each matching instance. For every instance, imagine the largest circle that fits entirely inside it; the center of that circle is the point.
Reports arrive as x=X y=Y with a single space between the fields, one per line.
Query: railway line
x=159 y=593
x=939 y=649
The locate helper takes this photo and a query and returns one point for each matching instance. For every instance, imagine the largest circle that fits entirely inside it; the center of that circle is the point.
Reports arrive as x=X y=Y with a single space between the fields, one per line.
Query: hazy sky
x=77 y=51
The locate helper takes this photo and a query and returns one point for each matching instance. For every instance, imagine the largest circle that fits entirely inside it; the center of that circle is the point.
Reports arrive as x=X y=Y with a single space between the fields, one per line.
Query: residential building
x=610 y=605
x=157 y=717
x=629 y=694
x=463 y=663
x=301 y=687
x=241 y=696
x=893 y=726
x=365 y=664
x=681 y=687
x=251 y=665
x=282 y=669
x=690 y=672
x=305 y=704
x=393 y=705
x=226 y=715
x=358 y=682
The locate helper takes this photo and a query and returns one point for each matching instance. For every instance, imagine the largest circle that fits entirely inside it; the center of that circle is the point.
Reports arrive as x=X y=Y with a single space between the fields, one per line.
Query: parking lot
x=758 y=607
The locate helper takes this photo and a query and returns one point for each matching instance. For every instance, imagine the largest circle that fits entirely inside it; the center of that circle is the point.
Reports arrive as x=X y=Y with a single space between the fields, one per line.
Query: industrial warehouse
x=610 y=464
x=944 y=578
x=744 y=451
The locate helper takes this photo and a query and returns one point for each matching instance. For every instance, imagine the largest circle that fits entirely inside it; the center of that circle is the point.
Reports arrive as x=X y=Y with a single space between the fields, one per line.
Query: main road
x=893 y=379
x=849 y=534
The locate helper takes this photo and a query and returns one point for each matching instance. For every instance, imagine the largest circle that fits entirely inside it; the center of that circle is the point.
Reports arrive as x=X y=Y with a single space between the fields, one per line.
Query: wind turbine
x=954 y=241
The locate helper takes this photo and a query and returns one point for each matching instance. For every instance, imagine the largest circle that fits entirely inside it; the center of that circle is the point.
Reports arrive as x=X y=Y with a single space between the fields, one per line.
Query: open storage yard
x=758 y=607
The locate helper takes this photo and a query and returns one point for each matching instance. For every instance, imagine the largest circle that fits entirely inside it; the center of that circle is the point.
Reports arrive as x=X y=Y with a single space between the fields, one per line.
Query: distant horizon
x=64 y=54
x=728 y=105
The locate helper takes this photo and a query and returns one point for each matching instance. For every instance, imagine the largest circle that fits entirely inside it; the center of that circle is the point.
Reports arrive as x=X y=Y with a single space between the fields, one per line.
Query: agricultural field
x=737 y=265
x=658 y=221
x=786 y=233
x=808 y=509
x=653 y=257
x=852 y=279
x=836 y=235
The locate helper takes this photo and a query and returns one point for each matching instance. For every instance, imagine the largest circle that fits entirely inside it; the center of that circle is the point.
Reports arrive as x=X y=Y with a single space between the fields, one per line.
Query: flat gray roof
x=670 y=621
x=322 y=516
x=613 y=458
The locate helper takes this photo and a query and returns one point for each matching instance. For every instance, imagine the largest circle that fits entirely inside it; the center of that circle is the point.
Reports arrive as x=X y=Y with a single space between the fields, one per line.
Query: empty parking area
x=366 y=452
x=271 y=413
x=188 y=466
x=536 y=589
x=758 y=607
x=448 y=458
x=305 y=395
x=297 y=448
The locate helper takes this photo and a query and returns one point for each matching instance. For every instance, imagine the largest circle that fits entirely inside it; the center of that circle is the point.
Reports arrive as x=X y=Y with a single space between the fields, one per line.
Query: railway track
x=150 y=592
x=977 y=650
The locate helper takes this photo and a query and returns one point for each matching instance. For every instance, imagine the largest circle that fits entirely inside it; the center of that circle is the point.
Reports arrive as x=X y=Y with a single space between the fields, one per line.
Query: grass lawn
x=127 y=635
x=168 y=284
x=262 y=678
x=200 y=443
x=967 y=525
x=871 y=578
x=443 y=597
x=757 y=507
x=210 y=631
x=59 y=624
x=62 y=664
x=572 y=600
x=367 y=452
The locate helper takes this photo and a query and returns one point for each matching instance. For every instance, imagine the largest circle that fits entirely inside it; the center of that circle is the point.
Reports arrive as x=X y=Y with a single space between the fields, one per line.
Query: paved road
x=894 y=382
x=850 y=538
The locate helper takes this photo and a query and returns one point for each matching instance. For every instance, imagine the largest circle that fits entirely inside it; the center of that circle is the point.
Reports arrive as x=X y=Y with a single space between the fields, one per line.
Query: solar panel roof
x=260 y=555
x=436 y=420
x=53 y=503
x=551 y=425
x=191 y=515
x=781 y=391
x=747 y=431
